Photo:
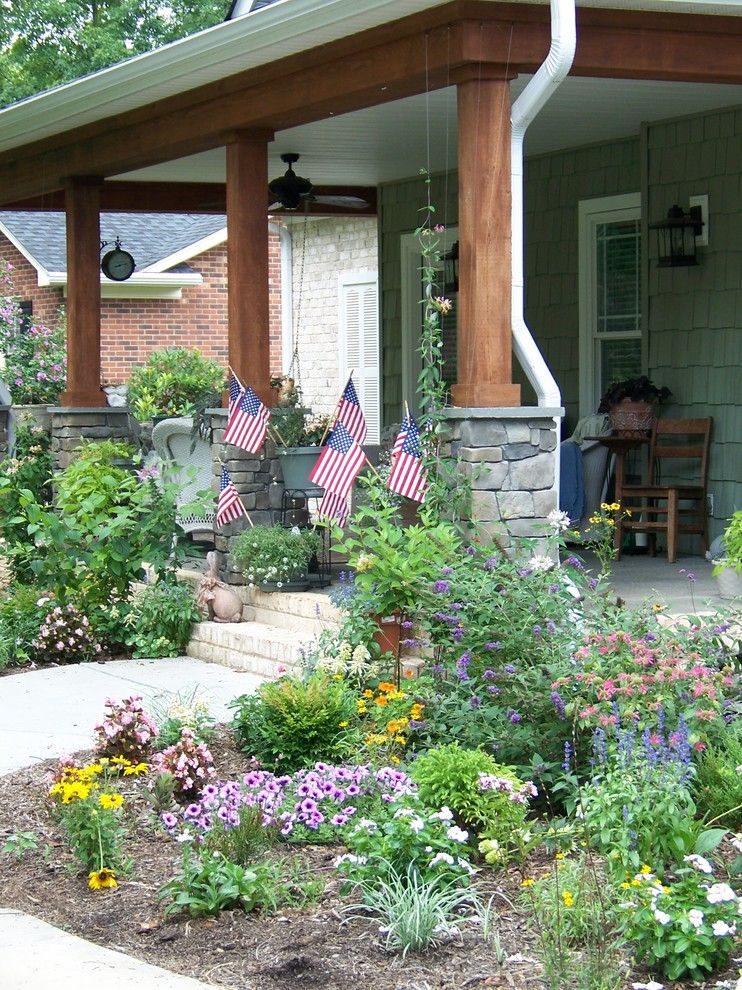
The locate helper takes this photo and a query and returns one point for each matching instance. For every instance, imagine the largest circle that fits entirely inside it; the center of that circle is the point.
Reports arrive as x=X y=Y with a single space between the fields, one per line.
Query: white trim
x=410 y=310
x=287 y=292
x=590 y=213
x=140 y=286
x=188 y=252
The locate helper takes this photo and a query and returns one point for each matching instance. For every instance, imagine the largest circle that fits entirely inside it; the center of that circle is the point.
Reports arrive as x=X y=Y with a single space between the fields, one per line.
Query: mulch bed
x=315 y=946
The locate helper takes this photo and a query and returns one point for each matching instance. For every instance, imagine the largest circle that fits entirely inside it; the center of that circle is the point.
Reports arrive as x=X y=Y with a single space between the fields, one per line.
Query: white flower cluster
x=347 y=660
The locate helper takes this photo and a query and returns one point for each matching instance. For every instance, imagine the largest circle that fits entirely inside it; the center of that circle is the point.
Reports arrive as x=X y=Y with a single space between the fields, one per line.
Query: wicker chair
x=172 y=442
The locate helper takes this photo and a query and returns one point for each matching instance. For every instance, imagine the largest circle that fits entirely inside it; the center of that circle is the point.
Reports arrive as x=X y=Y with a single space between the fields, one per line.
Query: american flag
x=350 y=414
x=403 y=428
x=247 y=423
x=339 y=463
x=229 y=504
x=235 y=391
x=334 y=507
x=407 y=476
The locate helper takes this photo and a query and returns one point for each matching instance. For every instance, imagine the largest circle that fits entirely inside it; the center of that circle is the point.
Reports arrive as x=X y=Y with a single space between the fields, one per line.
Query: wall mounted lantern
x=676 y=237
x=451 y=269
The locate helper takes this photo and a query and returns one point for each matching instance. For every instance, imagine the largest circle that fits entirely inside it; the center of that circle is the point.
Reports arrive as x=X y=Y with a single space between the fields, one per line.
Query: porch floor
x=638 y=577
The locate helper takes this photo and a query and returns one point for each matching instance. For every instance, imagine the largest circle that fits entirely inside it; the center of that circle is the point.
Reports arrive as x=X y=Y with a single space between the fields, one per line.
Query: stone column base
x=71 y=425
x=510 y=456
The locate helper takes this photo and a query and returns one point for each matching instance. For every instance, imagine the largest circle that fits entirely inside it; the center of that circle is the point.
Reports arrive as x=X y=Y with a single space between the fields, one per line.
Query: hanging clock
x=118 y=265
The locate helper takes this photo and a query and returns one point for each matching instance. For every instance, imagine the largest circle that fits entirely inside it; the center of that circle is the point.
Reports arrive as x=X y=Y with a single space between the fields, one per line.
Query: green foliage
x=173 y=382
x=160 y=620
x=20 y=620
x=19 y=843
x=274 y=553
x=94 y=834
x=685 y=929
x=292 y=425
x=105 y=523
x=241 y=843
x=413 y=841
x=182 y=710
x=450 y=776
x=636 y=814
x=579 y=927
x=415 y=914
x=291 y=723
x=717 y=786
x=395 y=566
x=732 y=539
x=29 y=470
x=45 y=42
x=208 y=883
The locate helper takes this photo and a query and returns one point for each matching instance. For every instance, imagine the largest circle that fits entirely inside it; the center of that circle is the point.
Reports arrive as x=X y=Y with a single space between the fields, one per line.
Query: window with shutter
x=358 y=326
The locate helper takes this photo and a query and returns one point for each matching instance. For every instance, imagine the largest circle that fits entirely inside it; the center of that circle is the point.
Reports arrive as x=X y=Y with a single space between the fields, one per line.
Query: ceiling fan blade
x=346 y=202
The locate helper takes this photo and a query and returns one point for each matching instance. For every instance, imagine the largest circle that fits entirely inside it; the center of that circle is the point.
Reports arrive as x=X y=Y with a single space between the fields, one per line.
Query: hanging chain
x=294 y=368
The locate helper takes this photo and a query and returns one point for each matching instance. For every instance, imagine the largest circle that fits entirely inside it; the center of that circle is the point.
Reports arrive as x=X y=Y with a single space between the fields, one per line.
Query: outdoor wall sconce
x=451 y=269
x=676 y=237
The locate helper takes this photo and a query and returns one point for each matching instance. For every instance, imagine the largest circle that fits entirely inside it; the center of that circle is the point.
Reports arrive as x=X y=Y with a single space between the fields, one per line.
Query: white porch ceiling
x=388 y=142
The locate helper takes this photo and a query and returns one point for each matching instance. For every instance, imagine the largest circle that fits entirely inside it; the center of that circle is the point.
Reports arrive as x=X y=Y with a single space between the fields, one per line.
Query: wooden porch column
x=247 y=260
x=82 y=205
x=484 y=319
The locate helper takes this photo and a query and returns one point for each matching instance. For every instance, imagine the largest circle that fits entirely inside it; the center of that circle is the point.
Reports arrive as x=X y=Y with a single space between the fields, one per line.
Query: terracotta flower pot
x=389 y=632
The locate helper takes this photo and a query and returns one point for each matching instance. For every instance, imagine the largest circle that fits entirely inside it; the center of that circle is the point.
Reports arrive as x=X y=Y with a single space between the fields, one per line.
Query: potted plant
x=276 y=558
x=728 y=567
x=631 y=405
x=298 y=434
x=174 y=382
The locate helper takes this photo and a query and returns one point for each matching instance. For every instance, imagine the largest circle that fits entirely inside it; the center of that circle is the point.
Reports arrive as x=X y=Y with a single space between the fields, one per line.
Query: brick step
x=251 y=646
x=313 y=605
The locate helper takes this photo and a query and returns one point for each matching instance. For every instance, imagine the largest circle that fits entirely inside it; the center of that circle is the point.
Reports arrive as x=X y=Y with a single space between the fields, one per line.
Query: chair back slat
x=692 y=443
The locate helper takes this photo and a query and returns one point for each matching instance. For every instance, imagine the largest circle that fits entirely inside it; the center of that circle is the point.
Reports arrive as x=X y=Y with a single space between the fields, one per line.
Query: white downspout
x=548 y=78
x=538 y=91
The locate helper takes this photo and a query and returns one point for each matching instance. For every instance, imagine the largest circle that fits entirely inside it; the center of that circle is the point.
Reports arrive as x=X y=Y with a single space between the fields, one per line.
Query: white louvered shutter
x=359 y=343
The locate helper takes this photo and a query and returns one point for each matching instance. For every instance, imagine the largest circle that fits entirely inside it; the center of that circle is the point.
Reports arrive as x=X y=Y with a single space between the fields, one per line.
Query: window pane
x=619 y=359
x=618 y=258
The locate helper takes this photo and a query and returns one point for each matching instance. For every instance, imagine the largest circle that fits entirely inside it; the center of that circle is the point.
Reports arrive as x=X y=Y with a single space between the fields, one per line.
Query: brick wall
x=132 y=328
x=322 y=249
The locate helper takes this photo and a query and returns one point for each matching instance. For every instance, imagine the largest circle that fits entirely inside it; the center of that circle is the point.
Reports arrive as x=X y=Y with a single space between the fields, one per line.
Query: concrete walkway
x=50 y=713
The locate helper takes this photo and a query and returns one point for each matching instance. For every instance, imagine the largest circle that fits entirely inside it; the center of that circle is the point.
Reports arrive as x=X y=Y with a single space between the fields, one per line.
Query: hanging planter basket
x=296 y=465
x=631 y=418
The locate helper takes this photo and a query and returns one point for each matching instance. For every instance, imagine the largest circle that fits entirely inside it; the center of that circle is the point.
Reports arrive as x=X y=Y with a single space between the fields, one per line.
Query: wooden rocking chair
x=678 y=449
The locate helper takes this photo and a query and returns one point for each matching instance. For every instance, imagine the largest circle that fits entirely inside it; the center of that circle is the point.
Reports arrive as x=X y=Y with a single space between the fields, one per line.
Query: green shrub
x=21 y=618
x=291 y=723
x=174 y=382
x=208 y=884
x=160 y=620
x=717 y=786
x=485 y=797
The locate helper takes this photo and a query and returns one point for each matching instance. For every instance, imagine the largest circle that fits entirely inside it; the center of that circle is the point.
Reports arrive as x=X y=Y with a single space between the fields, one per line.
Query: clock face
x=117 y=265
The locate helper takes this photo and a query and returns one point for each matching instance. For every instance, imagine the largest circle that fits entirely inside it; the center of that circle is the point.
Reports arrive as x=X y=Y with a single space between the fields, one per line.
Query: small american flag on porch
x=403 y=428
x=407 y=475
x=350 y=414
x=339 y=463
x=247 y=423
x=235 y=391
x=333 y=508
x=229 y=504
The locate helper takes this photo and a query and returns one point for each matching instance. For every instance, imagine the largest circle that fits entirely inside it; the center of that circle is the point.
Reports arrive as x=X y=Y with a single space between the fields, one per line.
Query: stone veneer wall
x=509 y=455
x=257 y=478
x=70 y=426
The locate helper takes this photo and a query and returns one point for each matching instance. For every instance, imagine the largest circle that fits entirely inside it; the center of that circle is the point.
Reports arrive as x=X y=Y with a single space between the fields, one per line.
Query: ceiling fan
x=290 y=191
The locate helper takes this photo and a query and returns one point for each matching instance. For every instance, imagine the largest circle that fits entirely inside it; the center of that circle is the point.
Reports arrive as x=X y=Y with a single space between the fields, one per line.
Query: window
x=610 y=295
x=359 y=343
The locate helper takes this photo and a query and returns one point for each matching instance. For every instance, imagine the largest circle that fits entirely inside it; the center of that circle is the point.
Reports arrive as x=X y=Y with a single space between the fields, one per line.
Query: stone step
x=314 y=605
x=257 y=647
